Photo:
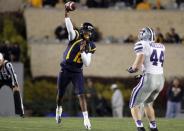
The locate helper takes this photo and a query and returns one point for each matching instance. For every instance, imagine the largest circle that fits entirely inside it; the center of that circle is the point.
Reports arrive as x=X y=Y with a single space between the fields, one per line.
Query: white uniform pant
x=118 y=112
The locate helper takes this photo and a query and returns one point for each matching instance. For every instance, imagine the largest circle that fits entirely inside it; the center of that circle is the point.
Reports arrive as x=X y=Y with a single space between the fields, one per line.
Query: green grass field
x=76 y=124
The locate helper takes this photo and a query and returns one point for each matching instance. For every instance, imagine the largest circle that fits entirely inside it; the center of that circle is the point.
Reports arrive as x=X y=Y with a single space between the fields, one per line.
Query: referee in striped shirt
x=9 y=78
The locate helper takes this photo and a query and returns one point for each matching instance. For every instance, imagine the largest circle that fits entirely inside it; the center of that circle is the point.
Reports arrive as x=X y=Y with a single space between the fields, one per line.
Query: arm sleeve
x=12 y=74
x=86 y=58
x=138 y=48
x=71 y=31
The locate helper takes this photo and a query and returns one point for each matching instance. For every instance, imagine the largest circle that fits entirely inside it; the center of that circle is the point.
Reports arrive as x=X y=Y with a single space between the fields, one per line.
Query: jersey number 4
x=154 y=58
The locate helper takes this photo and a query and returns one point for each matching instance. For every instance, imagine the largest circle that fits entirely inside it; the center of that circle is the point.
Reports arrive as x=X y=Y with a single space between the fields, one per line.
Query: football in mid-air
x=70 y=6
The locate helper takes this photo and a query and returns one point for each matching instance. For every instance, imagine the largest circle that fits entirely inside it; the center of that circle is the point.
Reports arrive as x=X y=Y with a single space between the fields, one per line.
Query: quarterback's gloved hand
x=131 y=70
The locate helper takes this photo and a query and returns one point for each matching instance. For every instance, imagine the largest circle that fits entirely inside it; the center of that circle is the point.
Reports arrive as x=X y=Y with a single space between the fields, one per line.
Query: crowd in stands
x=175 y=97
x=118 y=4
x=170 y=37
x=11 y=52
x=100 y=106
x=97 y=104
x=61 y=32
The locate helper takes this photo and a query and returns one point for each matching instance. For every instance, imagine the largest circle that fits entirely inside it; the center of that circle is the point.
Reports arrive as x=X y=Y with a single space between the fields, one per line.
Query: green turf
x=76 y=124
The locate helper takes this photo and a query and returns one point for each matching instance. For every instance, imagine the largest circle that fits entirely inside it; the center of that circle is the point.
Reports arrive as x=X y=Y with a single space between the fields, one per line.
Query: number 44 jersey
x=153 y=56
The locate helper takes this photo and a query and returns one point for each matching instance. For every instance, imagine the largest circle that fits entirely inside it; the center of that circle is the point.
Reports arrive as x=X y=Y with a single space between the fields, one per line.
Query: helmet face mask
x=86 y=31
x=87 y=35
x=146 y=34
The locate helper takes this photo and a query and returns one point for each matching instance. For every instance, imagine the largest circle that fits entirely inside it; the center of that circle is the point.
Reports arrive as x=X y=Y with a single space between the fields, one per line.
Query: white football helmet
x=146 y=34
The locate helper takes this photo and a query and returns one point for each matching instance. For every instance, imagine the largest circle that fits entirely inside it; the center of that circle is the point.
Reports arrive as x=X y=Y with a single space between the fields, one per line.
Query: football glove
x=138 y=76
x=131 y=70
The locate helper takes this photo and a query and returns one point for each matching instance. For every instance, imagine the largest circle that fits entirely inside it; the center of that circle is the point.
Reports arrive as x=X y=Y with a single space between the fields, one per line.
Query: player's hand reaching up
x=70 y=6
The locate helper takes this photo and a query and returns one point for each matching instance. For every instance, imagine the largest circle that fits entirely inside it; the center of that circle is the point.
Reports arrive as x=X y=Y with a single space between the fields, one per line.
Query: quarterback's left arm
x=86 y=56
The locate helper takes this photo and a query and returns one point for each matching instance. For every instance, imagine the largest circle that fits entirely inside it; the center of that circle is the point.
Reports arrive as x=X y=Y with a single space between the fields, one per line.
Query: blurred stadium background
x=30 y=38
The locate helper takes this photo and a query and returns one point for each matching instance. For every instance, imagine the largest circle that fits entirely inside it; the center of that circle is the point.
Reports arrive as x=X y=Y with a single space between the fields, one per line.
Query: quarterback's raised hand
x=69 y=6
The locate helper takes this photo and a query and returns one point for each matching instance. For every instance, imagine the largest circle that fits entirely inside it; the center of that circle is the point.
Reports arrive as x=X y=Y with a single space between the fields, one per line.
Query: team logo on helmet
x=87 y=26
x=87 y=30
x=146 y=34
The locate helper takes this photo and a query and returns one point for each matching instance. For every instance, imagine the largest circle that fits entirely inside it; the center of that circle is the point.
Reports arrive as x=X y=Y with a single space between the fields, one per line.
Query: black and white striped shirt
x=7 y=74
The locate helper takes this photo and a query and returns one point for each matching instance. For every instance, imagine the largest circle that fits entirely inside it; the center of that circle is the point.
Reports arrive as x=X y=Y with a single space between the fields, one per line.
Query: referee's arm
x=13 y=76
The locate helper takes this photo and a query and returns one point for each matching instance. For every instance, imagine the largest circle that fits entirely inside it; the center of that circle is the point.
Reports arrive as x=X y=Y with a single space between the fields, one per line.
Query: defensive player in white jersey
x=149 y=55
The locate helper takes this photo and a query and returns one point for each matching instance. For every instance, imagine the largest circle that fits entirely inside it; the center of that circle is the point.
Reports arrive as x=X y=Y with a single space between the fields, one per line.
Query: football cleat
x=87 y=124
x=58 y=115
x=153 y=129
x=141 y=129
x=22 y=115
